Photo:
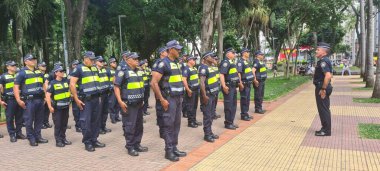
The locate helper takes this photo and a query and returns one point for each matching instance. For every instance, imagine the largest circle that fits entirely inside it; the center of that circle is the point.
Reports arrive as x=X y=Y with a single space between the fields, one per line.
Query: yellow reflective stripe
x=62 y=96
x=212 y=80
x=103 y=79
x=248 y=70
x=193 y=77
x=145 y=78
x=33 y=80
x=175 y=78
x=262 y=69
x=90 y=79
x=9 y=85
x=58 y=86
x=135 y=85
x=112 y=79
x=232 y=71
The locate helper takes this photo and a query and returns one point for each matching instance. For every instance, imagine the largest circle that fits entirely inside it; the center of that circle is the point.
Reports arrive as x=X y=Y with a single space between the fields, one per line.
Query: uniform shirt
x=261 y=73
x=121 y=78
x=193 y=82
x=225 y=67
x=63 y=93
x=323 y=65
x=7 y=82
x=35 y=88
x=155 y=64
x=78 y=72
x=164 y=67
x=244 y=69
x=210 y=73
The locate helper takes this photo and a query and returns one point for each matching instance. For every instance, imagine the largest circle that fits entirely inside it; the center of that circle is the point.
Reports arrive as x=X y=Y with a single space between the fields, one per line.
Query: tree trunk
x=219 y=24
x=19 y=37
x=207 y=25
x=362 y=38
x=370 y=38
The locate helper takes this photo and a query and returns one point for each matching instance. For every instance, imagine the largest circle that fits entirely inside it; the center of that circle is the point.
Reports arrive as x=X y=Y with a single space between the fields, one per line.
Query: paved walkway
x=282 y=139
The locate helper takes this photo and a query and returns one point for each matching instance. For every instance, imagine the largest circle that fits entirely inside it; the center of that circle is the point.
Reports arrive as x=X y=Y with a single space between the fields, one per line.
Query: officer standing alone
x=259 y=82
x=168 y=87
x=30 y=82
x=246 y=77
x=323 y=88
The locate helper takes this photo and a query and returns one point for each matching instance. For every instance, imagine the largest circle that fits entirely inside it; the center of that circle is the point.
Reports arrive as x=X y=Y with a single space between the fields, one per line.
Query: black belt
x=247 y=82
x=132 y=103
x=231 y=82
x=31 y=97
x=7 y=97
x=105 y=92
x=89 y=97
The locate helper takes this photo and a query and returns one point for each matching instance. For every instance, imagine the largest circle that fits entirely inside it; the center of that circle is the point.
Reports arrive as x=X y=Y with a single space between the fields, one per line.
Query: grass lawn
x=279 y=86
x=353 y=69
x=366 y=100
x=357 y=82
x=363 y=88
x=369 y=131
x=2 y=113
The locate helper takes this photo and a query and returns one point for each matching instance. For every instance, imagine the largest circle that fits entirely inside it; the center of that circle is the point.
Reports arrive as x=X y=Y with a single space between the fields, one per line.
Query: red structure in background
x=286 y=51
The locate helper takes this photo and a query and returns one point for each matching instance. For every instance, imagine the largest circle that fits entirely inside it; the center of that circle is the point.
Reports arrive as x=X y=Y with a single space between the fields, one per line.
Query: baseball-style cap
x=211 y=54
x=229 y=50
x=259 y=53
x=29 y=57
x=58 y=68
x=173 y=44
x=10 y=63
x=42 y=64
x=162 y=49
x=100 y=59
x=245 y=50
x=133 y=55
x=323 y=45
x=75 y=62
x=112 y=59
x=191 y=57
x=125 y=54
x=142 y=62
x=89 y=54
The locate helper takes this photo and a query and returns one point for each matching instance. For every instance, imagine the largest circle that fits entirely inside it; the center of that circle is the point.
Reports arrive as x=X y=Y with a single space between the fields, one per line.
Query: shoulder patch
x=255 y=65
x=185 y=72
x=120 y=74
x=118 y=67
x=49 y=86
x=239 y=64
x=75 y=69
x=203 y=71
x=225 y=64
x=323 y=64
x=161 y=64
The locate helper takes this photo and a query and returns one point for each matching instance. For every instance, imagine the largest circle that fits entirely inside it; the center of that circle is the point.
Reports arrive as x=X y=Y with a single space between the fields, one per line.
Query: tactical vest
x=247 y=74
x=232 y=73
x=261 y=73
x=90 y=80
x=33 y=83
x=145 y=77
x=9 y=83
x=212 y=83
x=112 y=73
x=172 y=84
x=46 y=76
x=193 y=80
x=133 y=87
x=61 y=96
x=103 y=80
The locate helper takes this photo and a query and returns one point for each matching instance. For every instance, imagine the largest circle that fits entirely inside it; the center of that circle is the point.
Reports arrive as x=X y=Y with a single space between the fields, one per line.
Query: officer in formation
x=13 y=111
x=209 y=86
x=323 y=88
x=46 y=124
x=31 y=99
x=74 y=106
x=88 y=100
x=113 y=107
x=129 y=92
x=168 y=87
x=104 y=89
x=191 y=82
x=148 y=73
x=259 y=81
x=58 y=99
x=215 y=67
x=144 y=72
x=246 y=78
x=229 y=80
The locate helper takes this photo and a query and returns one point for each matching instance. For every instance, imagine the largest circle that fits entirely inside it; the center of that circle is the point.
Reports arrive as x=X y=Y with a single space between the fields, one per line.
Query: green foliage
x=366 y=100
x=369 y=130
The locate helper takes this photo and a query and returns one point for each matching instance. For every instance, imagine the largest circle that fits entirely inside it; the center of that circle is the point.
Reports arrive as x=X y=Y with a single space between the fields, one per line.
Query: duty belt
x=31 y=97
x=7 y=97
x=232 y=83
x=131 y=103
x=89 y=97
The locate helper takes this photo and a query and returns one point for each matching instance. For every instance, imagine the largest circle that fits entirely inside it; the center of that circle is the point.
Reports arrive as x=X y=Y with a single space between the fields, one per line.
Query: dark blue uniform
x=228 y=69
x=159 y=109
x=104 y=88
x=323 y=65
x=261 y=76
x=191 y=103
x=46 y=109
x=172 y=90
x=31 y=83
x=113 y=106
x=247 y=78
x=13 y=112
x=89 y=94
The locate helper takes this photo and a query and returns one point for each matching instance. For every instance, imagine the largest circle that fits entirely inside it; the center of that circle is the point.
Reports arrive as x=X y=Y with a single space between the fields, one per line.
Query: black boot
x=171 y=156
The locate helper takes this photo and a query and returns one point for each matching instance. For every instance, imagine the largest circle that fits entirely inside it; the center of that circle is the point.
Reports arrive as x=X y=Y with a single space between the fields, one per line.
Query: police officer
x=58 y=99
x=323 y=88
x=30 y=82
x=182 y=62
x=104 y=88
x=148 y=73
x=259 y=82
x=113 y=107
x=129 y=92
x=142 y=71
x=168 y=87
x=87 y=100
x=209 y=89
x=229 y=80
x=13 y=111
x=246 y=78
x=191 y=82
x=215 y=67
x=46 y=124
x=74 y=106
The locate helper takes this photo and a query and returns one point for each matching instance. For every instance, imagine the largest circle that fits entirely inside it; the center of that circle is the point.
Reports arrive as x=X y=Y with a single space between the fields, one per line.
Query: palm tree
x=370 y=38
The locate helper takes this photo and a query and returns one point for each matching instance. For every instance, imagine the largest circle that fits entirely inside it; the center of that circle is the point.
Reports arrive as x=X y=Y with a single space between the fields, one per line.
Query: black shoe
x=245 y=118
x=146 y=113
x=60 y=144
x=179 y=153
x=89 y=147
x=13 y=138
x=322 y=133
x=98 y=144
x=198 y=123
x=184 y=115
x=209 y=138
x=215 y=136
x=23 y=124
x=20 y=136
x=140 y=148
x=44 y=126
x=78 y=129
x=42 y=140
x=118 y=119
x=171 y=156
x=48 y=125
x=192 y=125
x=102 y=131
x=107 y=130
x=236 y=126
x=250 y=117
x=113 y=120
x=33 y=143
x=133 y=152
x=230 y=126
x=1 y=136
x=260 y=111
x=67 y=142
